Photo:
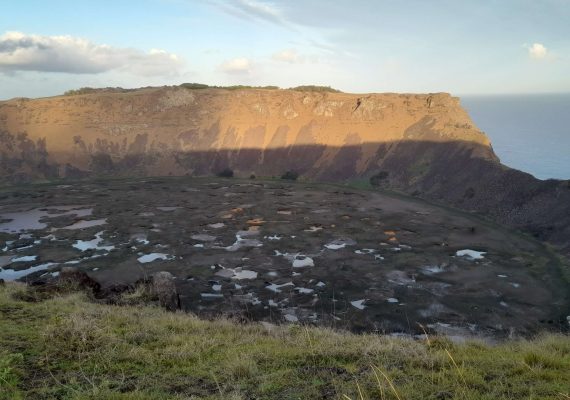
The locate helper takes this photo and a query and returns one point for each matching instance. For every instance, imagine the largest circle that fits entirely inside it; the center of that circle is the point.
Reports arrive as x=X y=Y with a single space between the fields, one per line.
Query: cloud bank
x=68 y=54
x=537 y=51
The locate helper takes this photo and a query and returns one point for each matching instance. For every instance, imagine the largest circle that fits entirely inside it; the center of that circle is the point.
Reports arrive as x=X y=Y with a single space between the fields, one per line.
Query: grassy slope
x=70 y=347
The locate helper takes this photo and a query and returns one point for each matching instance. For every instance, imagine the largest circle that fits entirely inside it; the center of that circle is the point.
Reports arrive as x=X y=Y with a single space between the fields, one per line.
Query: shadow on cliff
x=460 y=174
x=457 y=173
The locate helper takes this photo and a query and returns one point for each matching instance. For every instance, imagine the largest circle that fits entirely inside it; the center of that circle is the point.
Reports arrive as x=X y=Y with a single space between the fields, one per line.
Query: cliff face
x=180 y=131
x=423 y=144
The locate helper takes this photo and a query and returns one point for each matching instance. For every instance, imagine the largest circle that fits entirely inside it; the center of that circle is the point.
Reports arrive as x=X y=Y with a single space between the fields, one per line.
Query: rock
x=73 y=276
x=20 y=243
x=164 y=288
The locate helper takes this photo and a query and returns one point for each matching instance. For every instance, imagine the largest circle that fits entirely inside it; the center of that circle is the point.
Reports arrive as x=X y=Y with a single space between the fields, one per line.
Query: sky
x=461 y=47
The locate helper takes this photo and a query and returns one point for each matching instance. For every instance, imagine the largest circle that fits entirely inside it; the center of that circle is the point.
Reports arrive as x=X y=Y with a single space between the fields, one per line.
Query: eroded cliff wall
x=180 y=131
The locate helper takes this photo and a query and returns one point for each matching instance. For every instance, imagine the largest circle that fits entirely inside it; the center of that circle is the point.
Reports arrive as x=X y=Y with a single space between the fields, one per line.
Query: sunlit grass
x=69 y=347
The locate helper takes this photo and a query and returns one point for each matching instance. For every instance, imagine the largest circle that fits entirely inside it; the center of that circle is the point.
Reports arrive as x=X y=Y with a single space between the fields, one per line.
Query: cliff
x=425 y=145
x=180 y=131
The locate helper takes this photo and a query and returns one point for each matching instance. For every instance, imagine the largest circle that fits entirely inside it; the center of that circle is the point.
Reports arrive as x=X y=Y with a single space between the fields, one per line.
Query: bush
x=226 y=173
x=290 y=175
x=376 y=180
x=315 y=88
x=252 y=176
x=195 y=86
x=89 y=90
x=469 y=193
x=83 y=90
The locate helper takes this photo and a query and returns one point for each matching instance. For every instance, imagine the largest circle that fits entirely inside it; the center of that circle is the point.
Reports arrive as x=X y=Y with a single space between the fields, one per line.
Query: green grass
x=315 y=88
x=360 y=184
x=68 y=347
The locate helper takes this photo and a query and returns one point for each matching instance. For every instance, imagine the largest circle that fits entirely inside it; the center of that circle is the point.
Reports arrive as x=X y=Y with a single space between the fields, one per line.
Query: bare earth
x=290 y=252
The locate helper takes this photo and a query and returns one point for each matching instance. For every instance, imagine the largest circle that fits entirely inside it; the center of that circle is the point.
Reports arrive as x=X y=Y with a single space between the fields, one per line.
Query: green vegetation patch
x=315 y=88
x=201 y=86
x=69 y=347
x=195 y=86
x=89 y=90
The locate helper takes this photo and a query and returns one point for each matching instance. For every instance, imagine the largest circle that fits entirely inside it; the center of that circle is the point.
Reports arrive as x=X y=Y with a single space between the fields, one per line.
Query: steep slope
x=179 y=131
x=422 y=144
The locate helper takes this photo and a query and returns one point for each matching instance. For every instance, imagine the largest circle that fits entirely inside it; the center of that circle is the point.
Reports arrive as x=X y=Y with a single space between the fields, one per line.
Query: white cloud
x=292 y=56
x=22 y=52
x=537 y=51
x=288 y=55
x=239 y=65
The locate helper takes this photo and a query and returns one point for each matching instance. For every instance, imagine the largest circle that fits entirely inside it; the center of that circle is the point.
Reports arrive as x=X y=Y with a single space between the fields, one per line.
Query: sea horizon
x=528 y=132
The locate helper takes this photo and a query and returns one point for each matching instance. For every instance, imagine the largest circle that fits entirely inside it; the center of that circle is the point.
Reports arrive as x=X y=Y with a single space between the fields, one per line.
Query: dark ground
x=390 y=265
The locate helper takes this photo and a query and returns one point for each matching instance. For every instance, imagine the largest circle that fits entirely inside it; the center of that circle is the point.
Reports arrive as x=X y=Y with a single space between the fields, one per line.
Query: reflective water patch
x=277 y=288
x=24 y=259
x=358 y=304
x=472 y=254
x=84 y=245
x=30 y=220
x=303 y=261
x=12 y=275
x=147 y=258
x=338 y=244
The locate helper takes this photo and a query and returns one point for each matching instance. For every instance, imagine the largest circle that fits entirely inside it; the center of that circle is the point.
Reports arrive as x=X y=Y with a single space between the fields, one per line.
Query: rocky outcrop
x=425 y=145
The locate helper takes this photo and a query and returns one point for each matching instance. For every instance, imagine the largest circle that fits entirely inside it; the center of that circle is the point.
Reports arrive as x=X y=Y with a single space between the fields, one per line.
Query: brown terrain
x=425 y=145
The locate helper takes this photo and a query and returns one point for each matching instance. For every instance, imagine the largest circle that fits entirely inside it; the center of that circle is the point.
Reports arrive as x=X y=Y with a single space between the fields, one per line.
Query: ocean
x=528 y=132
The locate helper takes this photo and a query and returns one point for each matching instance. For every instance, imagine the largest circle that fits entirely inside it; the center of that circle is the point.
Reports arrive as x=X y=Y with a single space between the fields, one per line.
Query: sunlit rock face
x=176 y=131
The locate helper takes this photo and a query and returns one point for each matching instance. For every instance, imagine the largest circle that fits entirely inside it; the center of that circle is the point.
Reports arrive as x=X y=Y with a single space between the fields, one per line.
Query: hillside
x=425 y=145
x=69 y=347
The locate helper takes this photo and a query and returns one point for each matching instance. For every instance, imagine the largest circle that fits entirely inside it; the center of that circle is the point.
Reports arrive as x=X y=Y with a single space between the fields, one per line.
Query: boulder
x=163 y=286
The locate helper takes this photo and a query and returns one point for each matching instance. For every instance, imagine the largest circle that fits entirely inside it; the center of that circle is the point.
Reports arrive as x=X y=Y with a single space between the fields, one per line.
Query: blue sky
x=462 y=47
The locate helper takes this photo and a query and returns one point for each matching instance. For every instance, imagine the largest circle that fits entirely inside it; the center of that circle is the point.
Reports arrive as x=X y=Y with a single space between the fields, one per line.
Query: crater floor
x=290 y=252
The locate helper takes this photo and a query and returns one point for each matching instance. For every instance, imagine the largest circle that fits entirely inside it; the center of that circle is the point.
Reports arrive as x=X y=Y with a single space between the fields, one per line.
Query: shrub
x=469 y=193
x=290 y=175
x=83 y=90
x=226 y=173
x=376 y=180
x=88 y=90
x=252 y=176
x=315 y=88
x=194 y=86
x=232 y=87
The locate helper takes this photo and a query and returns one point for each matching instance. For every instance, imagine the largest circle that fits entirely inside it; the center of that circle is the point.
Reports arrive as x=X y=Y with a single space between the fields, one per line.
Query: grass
x=69 y=347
